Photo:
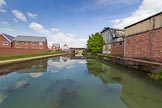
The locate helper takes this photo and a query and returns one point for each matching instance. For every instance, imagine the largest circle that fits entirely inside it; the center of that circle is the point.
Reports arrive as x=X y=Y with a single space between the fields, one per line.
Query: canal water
x=61 y=82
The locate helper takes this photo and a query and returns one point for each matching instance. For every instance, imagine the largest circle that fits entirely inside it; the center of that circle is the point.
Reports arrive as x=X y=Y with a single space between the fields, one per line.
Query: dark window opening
x=153 y=23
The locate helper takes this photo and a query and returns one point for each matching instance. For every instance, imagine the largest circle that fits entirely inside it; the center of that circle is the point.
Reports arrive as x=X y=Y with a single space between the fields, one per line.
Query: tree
x=95 y=43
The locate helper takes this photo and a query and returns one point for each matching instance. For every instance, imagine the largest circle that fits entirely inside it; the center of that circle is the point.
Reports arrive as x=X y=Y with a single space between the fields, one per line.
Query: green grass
x=28 y=56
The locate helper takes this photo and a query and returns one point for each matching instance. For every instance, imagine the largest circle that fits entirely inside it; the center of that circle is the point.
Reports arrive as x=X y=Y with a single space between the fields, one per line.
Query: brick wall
x=16 y=52
x=117 y=49
x=146 y=46
x=2 y=38
x=30 y=45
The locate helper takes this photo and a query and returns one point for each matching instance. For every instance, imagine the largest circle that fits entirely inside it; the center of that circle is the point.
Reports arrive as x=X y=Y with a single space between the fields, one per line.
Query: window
x=17 y=42
x=5 y=42
x=120 y=43
x=33 y=43
x=25 y=43
x=153 y=23
x=40 y=43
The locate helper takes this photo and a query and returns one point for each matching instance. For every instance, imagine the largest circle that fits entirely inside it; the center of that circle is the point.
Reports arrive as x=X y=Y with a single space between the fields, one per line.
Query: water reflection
x=25 y=67
x=61 y=82
x=136 y=91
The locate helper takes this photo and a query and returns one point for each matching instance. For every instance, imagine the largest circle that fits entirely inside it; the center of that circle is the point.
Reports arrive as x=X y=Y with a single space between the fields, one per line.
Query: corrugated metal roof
x=10 y=38
x=30 y=39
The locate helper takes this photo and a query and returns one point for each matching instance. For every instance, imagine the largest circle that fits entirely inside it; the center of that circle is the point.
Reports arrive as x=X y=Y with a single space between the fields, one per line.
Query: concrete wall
x=107 y=37
x=146 y=45
x=2 y=39
x=117 y=49
x=16 y=52
x=106 y=49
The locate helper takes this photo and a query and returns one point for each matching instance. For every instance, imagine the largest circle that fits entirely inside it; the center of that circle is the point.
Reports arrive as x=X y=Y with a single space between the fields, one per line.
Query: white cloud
x=56 y=36
x=2 y=2
x=2 y=11
x=35 y=75
x=19 y=15
x=146 y=9
x=38 y=28
x=32 y=15
x=55 y=30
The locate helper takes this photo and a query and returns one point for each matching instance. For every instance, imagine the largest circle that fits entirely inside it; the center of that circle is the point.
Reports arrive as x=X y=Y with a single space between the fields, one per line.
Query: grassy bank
x=28 y=56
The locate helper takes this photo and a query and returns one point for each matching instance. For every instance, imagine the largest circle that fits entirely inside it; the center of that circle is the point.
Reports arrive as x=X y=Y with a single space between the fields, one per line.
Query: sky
x=71 y=21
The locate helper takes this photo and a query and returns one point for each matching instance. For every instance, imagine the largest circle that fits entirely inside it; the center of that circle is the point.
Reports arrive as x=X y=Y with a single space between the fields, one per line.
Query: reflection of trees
x=94 y=67
x=105 y=72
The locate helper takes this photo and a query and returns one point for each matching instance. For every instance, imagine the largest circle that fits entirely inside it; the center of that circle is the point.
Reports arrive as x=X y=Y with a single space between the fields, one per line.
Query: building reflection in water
x=33 y=66
x=134 y=89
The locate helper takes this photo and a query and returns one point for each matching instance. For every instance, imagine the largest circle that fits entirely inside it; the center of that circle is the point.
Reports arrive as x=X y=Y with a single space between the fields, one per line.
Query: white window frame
x=40 y=43
x=5 y=43
x=17 y=42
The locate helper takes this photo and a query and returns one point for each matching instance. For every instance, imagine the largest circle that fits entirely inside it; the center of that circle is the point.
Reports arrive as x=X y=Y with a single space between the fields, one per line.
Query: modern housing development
x=141 y=40
x=22 y=45
x=23 y=42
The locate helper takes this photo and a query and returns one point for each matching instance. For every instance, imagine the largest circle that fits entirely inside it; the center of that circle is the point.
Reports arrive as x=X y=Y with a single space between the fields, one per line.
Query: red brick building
x=144 y=39
x=23 y=42
x=55 y=47
x=30 y=42
x=22 y=45
x=6 y=41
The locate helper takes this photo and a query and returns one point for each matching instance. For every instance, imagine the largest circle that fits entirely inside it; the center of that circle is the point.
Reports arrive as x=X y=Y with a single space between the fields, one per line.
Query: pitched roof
x=108 y=28
x=55 y=45
x=30 y=39
x=143 y=20
x=8 y=37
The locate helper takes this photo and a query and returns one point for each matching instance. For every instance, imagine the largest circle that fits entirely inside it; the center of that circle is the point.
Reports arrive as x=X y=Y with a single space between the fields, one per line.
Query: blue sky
x=70 y=21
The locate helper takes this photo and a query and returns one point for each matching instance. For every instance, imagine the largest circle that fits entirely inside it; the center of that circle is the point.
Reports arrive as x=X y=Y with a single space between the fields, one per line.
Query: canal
x=61 y=82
